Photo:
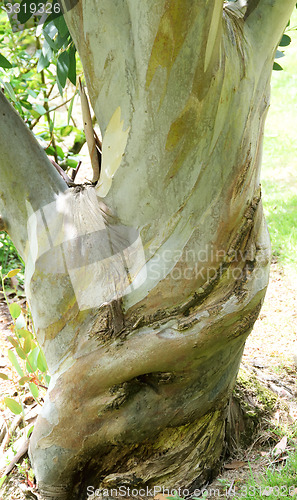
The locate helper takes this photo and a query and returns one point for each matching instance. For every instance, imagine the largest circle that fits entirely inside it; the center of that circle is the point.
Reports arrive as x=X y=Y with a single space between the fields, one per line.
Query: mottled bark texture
x=144 y=288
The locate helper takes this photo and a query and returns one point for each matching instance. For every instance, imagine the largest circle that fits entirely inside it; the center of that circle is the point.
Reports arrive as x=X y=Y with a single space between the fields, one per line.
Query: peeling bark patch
x=235 y=245
x=101 y=328
x=244 y=170
x=117 y=317
x=127 y=390
x=68 y=315
x=185 y=132
x=212 y=36
x=234 y=32
x=172 y=31
x=252 y=5
x=112 y=480
x=191 y=451
x=248 y=223
x=182 y=133
x=109 y=323
x=54 y=492
x=240 y=244
x=245 y=325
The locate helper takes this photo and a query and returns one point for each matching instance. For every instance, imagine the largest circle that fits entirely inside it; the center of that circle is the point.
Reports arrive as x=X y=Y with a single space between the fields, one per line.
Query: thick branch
x=140 y=42
x=267 y=20
x=28 y=179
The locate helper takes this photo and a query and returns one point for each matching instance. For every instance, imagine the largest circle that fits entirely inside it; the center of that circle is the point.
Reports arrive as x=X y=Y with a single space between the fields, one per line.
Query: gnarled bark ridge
x=144 y=287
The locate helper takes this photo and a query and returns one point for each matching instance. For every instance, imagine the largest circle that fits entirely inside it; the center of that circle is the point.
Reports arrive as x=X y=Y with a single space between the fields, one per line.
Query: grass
x=279 y=186
x=276 y=483
x=279 y=179
x=9 y=258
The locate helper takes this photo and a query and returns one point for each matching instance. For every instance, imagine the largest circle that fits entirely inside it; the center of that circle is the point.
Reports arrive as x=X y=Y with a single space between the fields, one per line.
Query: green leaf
x=50 y=32
x=28 y=76
x=285 y=41
x=43 y=62
x=279 y=54
x=34 y=390
x=13 y=341
x=23 y=380
x=2 y=479
x=25 y=10
x=56 y=11
x=47 y=379
x=60 y=152
x=4 y=376
x=25 y=333
x=72 y=64
x=30 y=431
x=62 y=68
x=4 y=63
x=28 y=368
x=59 y=87
x=20 y=322
x=9 y=91
x=71 y=162
x=27 y=345
x=12 y=358
x=13 y=405
x=51 y=126
x=25 y=104
x=61 y=26
x=45 y=57
x=50 y=150
x=34 y=113
x=31 y=93
x=18 y=107
x=70 y=109
x=40 y=109
x=21 y=353
x=32 y=358
x=41 y=362
x=65 y=131
x=15 y=310
x=277 y=67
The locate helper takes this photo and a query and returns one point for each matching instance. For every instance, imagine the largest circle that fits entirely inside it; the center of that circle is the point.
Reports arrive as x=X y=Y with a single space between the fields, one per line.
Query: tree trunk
x=144 y=288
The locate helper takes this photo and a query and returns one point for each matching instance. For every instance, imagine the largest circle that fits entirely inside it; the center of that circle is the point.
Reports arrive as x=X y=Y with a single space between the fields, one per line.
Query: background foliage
x=38 y=74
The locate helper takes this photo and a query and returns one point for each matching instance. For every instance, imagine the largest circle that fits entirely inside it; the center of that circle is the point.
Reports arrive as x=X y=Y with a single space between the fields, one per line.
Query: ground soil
x=270 y=353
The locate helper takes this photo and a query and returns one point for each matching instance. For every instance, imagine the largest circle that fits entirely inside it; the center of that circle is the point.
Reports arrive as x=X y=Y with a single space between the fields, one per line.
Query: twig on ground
x=10 y=431
x=19 y=455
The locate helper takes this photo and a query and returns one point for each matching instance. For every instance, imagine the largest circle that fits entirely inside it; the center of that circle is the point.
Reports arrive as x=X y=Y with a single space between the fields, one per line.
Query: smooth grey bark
x=141 y=376
x=28 y=179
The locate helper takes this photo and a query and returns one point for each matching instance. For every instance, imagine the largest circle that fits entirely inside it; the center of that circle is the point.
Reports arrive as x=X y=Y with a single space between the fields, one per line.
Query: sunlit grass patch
x=277 y=482
x=279 y=173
